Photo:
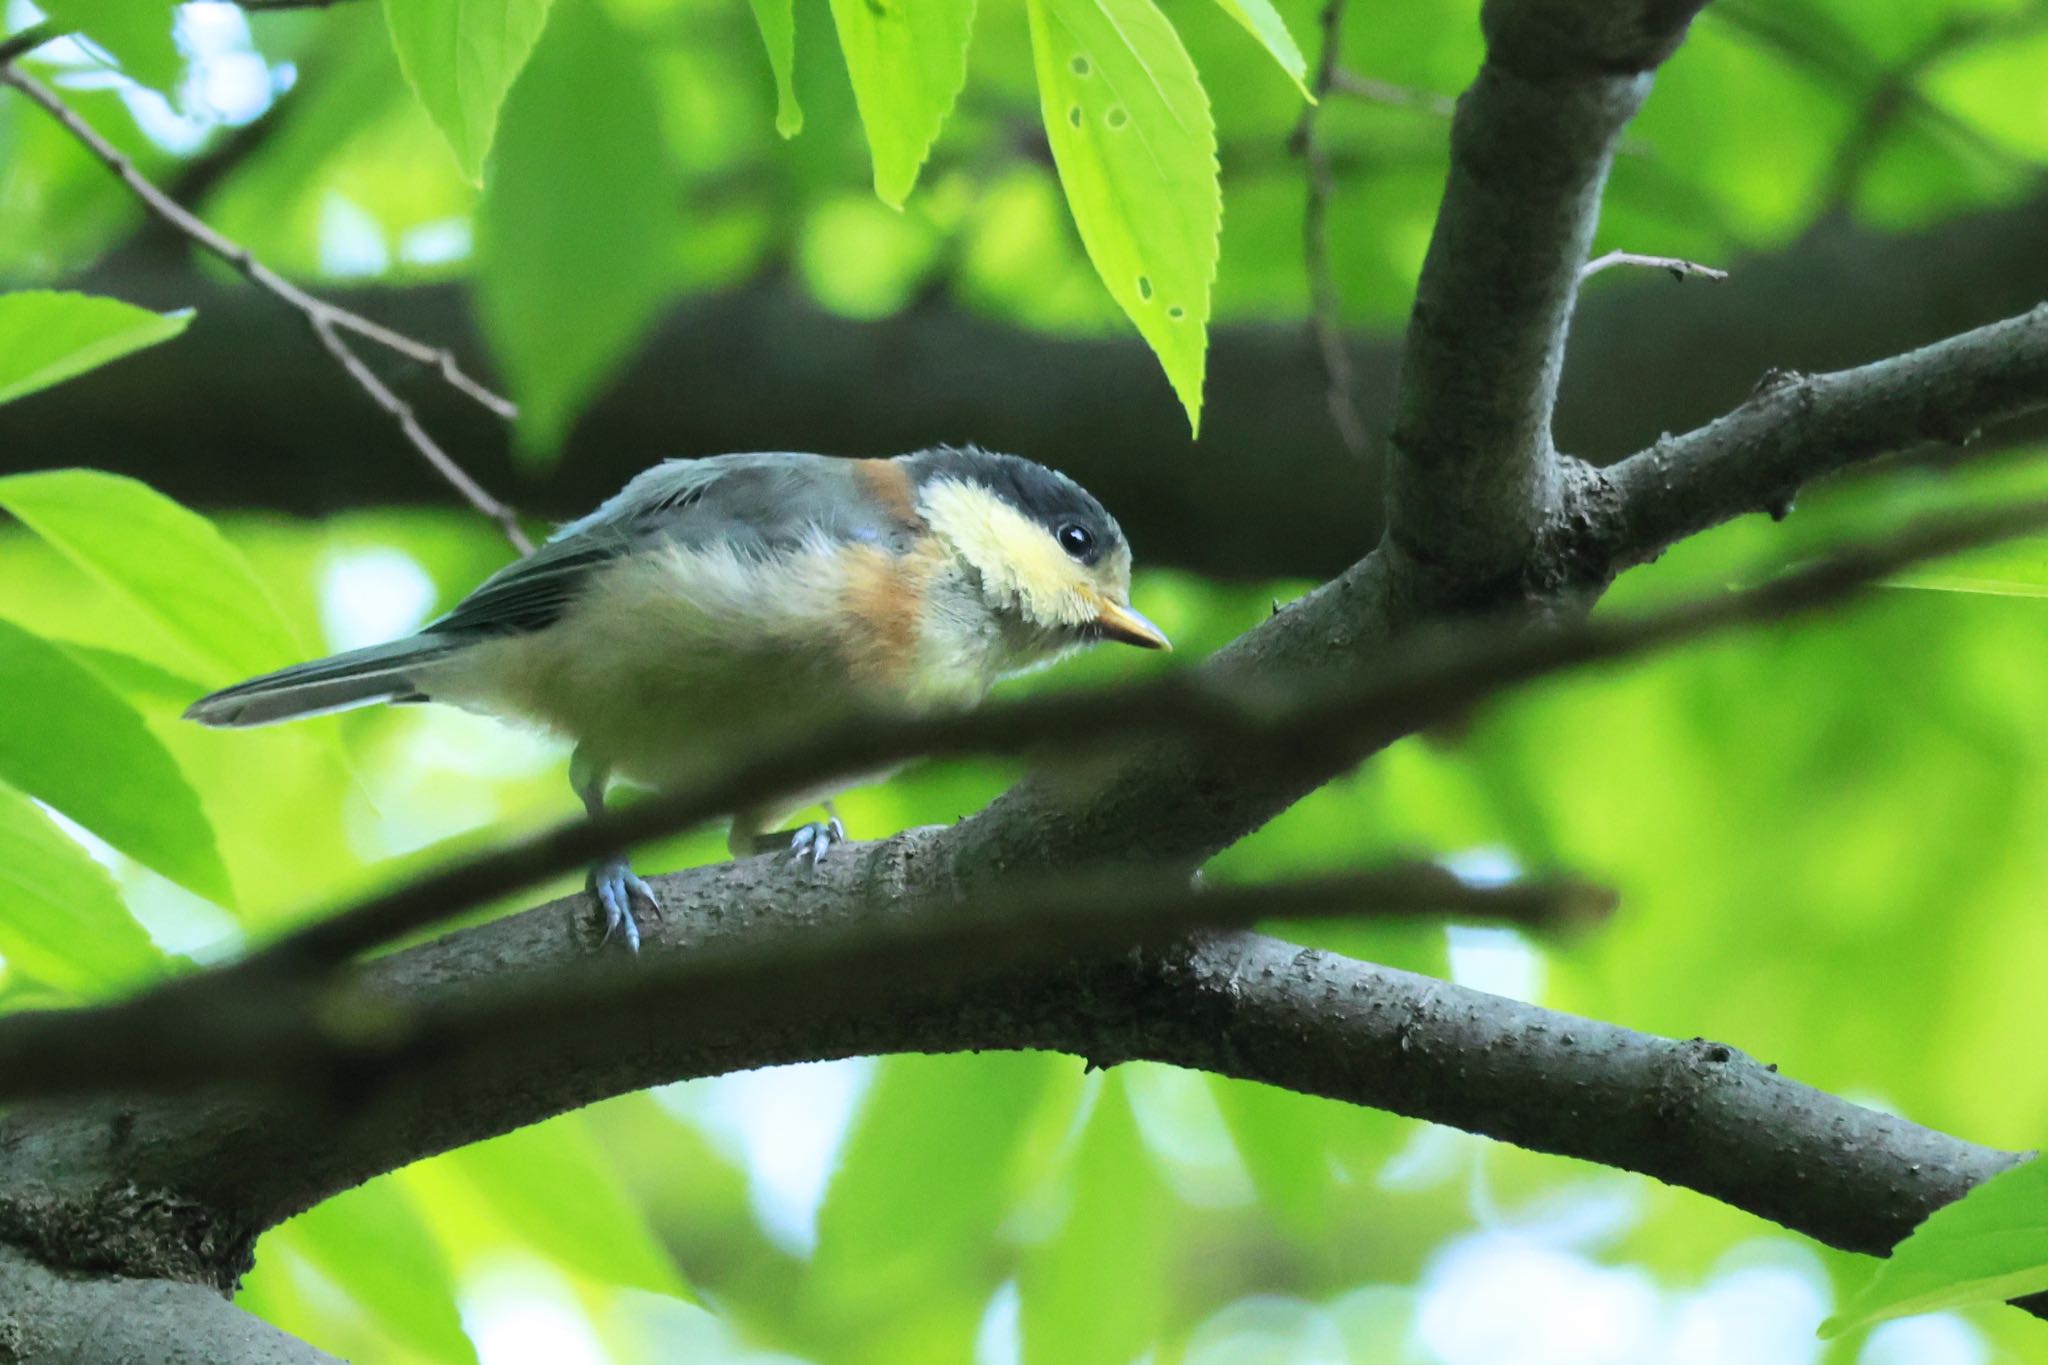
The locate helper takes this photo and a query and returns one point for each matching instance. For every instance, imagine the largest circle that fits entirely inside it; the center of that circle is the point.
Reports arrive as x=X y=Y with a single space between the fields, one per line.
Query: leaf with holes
x=1131 y=132
x=48 y=337
x=1988 y=1246
x=777 y=22
x=907 y=60
x=461 y=57
x=1263 y=22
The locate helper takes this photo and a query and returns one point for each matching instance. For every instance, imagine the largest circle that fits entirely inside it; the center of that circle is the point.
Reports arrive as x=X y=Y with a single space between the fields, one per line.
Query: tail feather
x=357 y=678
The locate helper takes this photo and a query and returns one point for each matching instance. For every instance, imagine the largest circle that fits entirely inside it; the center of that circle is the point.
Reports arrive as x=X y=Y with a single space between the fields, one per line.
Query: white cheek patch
x=1018 y=561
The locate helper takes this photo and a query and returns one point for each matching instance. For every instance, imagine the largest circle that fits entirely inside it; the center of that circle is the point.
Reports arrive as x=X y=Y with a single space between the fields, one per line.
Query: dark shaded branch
x=1693 y=1114
x=326 y=320
x=1472 y=480
x=256 y=1025
x=1796 y=428
x=243 y=413
x=1326 y=315
x=27 y=40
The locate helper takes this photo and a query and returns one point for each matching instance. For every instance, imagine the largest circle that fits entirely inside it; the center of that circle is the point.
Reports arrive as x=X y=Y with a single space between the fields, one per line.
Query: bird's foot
x=810 y=843
x=619 y=893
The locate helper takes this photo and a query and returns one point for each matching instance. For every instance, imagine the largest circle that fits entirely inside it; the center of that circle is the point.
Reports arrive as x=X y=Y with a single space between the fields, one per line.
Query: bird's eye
x=1076 y=539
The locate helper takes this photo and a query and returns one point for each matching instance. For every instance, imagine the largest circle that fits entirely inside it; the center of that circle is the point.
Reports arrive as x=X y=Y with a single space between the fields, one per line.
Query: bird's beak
x=1119 y=622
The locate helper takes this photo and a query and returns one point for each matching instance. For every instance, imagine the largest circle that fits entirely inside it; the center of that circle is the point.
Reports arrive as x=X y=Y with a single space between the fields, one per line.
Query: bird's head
x=1039 y=548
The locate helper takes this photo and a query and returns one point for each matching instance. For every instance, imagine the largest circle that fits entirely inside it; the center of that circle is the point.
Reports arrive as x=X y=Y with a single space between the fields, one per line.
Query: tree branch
x=1472 y=479
x=1677 y=266
x=1326 y=317
x=326 y=320
x=1797 y=428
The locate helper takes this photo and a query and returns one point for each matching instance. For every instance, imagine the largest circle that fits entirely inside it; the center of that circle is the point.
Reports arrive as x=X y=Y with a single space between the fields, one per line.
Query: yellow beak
x=1117 y=621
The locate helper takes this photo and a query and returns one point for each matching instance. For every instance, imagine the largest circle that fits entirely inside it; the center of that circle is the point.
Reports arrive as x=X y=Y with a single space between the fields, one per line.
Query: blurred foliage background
x=1827 y=838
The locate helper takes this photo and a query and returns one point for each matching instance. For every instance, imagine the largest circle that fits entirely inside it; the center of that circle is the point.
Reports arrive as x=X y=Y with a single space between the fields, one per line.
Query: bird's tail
x=357 y=678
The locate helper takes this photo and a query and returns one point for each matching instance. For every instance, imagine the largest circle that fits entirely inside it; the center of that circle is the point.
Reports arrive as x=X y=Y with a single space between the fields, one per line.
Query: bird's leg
x=612 y=881
x=806 y=843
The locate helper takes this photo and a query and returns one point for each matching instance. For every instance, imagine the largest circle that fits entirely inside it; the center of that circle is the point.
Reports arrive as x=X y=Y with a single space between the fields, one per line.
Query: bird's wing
x=757 y=504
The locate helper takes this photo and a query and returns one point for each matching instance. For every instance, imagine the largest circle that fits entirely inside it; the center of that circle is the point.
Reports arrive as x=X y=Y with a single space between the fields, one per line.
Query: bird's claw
x=810 y=843
x=619 y=893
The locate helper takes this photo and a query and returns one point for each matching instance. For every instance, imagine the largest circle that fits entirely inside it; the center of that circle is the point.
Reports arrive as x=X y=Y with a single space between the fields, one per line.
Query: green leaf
x=907 y=60
x=575 y=230
x=370 y=1242
x=927 y=1170
x=167 y=559
x=61 y=919
x=461 y=57
x=777 y=19
x=67 y=739
x=1098 y=1289
x=1988 y=1246
x=2016 y=569
x=135 y=33
x=1131 y=132
x=553 y=1184
x=1263 y=22
x=48 y=337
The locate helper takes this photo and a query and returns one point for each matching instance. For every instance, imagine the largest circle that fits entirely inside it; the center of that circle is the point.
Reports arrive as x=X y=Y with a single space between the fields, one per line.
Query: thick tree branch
x=1472 y=478
x=113 y=1320
x=1797 y=428
x=1693 y=1114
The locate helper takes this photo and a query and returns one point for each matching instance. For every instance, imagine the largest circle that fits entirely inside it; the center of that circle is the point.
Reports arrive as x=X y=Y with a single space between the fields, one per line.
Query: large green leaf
x=1263 y=22
x=1988 y=1246
x=61 y=920
x=2016 y=569
x=777 y=19
x=573 y=234
x=908 y=60
x=68 y=739
x=461 y=57
x=1131 y=132
x=169 y=560
x=48 y=337
x=135 y=33
x=1098 y=1289
x=370 y=1242
x=552 y=1184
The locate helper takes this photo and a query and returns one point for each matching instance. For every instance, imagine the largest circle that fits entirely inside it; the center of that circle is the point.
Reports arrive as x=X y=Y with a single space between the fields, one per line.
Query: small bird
x=713 y=606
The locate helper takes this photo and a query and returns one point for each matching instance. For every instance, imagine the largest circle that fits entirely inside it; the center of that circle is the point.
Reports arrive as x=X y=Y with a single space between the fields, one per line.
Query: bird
x=714 y=605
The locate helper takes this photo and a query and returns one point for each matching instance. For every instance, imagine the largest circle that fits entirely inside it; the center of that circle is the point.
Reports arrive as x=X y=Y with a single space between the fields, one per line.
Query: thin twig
x=28 y=40
x=247 y=1025
x=327 y=320
x=1678 y=267
x=1347 y=82
x=1325 y=307
x=1424 y=683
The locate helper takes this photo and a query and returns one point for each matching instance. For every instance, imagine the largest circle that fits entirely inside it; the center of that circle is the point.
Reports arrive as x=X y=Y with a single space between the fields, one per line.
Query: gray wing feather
x=754 y=503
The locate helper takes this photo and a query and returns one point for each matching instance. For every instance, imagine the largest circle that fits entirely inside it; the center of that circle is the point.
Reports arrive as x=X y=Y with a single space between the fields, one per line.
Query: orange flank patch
x=884 y=602
x=888 y=483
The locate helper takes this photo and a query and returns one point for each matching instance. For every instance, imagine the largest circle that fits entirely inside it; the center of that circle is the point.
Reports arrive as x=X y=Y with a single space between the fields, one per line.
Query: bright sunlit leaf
x=167 y=559
x=461 y=57
x=61 y=919
x=777 y=19
x=908 y=60
x=135 y=33
x=69 y=740
x=1988 y=1246
x=572 y=235
x=370 y=1243
x=1131 y=132
x=48 y=337
x=2016 y=569
x=1263 y=22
